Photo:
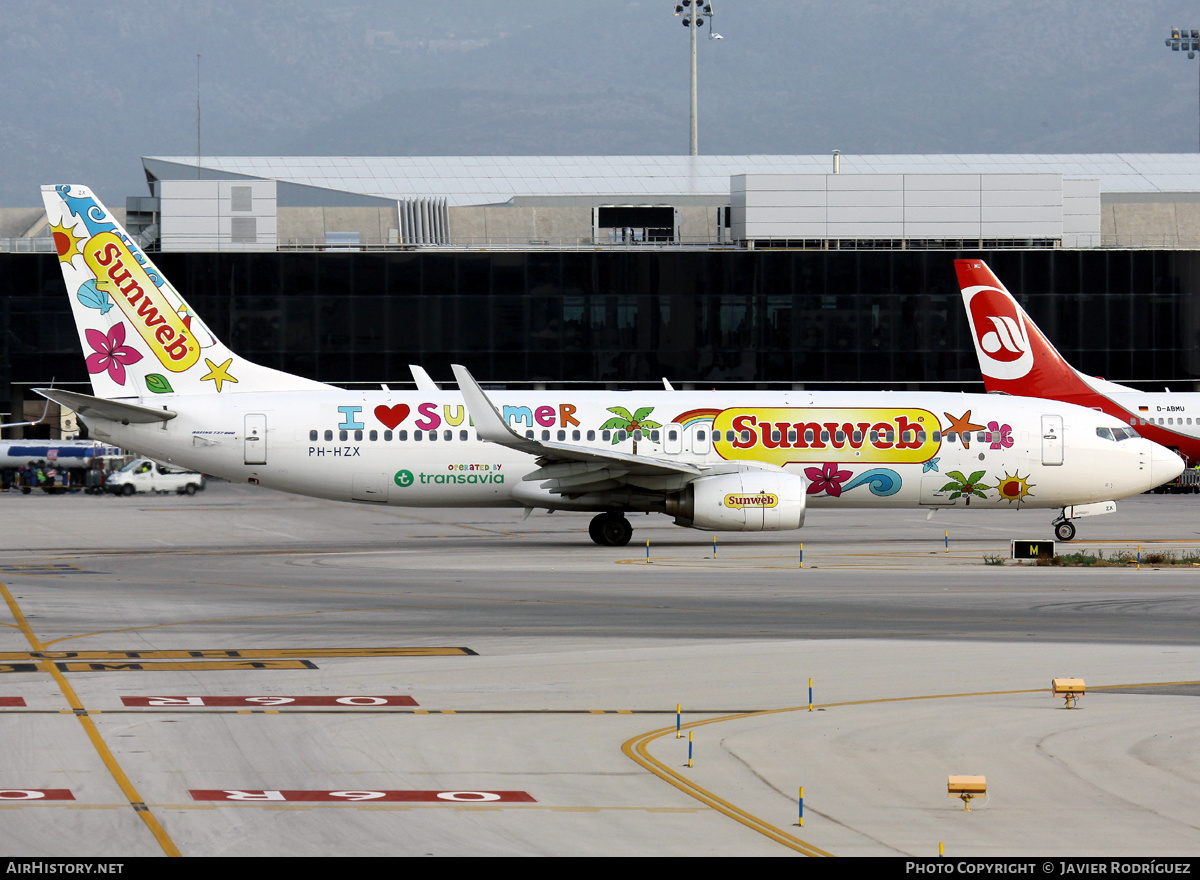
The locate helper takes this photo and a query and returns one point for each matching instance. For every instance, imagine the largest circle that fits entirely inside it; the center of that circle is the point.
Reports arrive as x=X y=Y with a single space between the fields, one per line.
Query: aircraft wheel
x=1064 y=531
x=610 y=530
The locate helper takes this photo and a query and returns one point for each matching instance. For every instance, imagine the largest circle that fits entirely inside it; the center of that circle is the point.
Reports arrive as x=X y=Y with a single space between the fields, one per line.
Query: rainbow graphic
x=695 y=416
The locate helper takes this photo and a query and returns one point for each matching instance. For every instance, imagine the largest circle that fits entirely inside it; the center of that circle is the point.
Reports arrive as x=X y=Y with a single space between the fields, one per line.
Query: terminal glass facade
x=823 y=318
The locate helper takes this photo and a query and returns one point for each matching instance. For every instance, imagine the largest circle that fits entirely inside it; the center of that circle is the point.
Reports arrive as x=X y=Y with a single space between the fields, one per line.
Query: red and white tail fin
x=1014 y=356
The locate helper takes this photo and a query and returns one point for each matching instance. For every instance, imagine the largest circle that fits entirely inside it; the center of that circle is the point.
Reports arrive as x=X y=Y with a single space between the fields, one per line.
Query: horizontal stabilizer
x=112 y=410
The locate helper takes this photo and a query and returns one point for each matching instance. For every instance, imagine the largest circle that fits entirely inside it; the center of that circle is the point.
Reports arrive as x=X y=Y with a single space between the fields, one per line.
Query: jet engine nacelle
x=746 y=501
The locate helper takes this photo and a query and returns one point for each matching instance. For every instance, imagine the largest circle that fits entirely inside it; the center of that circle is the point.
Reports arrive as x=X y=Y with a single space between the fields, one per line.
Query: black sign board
x=1032 y=549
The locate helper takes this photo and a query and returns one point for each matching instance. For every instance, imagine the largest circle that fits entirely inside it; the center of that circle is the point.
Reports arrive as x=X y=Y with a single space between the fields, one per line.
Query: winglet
x=423 y=380
x=489 y=424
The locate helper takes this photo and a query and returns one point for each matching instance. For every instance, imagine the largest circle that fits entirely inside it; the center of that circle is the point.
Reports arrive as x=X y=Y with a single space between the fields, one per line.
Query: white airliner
x=166 y=387
x=1016 y=358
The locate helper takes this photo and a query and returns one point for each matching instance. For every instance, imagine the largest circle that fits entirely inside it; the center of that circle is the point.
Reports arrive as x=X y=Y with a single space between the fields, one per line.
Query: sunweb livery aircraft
x=166 y=387
x=1016 y=358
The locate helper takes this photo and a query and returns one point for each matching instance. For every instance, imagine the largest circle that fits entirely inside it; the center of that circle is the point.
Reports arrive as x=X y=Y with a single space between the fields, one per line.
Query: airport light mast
x=1181 y=40
x=694 y=13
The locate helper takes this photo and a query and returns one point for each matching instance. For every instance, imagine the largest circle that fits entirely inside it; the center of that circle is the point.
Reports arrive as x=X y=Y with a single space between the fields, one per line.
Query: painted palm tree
x=630 y=423
x=966 y=486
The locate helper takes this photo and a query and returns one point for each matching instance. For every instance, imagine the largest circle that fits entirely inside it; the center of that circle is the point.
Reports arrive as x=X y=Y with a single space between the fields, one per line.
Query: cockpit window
x=1117 y=434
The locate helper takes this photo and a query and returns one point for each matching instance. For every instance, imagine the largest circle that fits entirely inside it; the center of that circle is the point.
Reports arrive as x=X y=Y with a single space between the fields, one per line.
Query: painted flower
x=1001 y=435
x=111 y=352
x=827 y=478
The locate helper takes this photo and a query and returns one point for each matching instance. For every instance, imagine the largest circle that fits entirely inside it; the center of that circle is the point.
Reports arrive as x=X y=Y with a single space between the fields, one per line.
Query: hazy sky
x=90 y=88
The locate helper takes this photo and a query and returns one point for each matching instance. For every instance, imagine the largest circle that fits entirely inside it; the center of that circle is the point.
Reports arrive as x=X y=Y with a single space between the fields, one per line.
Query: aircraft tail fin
x=1014 y=356
x=140 y=337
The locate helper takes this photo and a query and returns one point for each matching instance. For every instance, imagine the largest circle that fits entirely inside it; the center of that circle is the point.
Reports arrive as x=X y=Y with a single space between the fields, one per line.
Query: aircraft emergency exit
x=1016 y=358
x=166 y=387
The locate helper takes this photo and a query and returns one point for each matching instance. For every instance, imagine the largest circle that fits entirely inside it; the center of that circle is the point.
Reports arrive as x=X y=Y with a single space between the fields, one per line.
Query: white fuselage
x=855 y=449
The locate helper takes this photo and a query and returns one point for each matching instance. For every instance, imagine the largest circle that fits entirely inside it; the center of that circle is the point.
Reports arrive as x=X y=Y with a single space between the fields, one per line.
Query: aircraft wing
x=569 y=469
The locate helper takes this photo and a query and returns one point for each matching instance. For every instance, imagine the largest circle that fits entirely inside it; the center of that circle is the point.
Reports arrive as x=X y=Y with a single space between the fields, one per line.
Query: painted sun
x=66 y=242
x=1014 y=488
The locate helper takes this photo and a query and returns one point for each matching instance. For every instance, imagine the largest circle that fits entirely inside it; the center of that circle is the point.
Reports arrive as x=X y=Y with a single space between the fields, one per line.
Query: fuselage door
x=256 y=438
x=1052 y=440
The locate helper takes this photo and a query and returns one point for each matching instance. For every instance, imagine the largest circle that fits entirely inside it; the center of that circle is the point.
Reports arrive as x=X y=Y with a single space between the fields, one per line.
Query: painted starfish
x=218 y=373
x=963 y=426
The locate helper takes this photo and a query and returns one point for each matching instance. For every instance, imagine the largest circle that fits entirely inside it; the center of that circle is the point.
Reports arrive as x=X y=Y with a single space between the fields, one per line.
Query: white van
x=145 y=475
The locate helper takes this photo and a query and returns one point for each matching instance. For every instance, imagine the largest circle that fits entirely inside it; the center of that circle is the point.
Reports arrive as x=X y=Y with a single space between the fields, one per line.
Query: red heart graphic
x=392 y=415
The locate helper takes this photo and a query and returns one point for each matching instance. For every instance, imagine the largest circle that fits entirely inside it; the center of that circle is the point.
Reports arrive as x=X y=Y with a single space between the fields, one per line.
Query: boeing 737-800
x=166 y=387
x=1015 y=357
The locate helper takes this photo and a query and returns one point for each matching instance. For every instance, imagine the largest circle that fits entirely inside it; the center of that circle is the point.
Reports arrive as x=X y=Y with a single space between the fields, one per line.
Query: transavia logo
x=404 y=479
x=999 y=334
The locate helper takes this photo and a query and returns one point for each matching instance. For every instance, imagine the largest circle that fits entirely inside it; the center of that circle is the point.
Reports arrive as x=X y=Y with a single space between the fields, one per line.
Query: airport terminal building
x=616 y=271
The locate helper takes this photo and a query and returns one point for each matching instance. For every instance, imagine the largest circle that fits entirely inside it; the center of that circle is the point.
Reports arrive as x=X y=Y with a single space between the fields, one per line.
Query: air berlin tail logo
x=1000 y=334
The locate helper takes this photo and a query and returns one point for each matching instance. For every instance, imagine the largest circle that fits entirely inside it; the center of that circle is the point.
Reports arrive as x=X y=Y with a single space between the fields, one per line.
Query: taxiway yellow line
x=637 y=750
x=89 y=726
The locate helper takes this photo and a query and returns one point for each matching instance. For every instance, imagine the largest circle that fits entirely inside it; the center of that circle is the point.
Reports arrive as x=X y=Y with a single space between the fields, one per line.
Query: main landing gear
x=610 y=529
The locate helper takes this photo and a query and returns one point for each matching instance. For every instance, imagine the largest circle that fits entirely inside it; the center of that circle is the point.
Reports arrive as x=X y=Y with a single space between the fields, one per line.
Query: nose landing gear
x=1064 y=529
x=610 y=529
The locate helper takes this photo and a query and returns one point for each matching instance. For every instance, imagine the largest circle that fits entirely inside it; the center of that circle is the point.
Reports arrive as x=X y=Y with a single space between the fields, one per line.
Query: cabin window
x=791 y=435
x=699 y=435
x=447 y=434
x=591 y=435
x=809 y=434
x=432 y=435
x=951 y=437
x=840 y=436
x=824 y=436
x=329 y=435
x=937 y=436
x=342 y=435
x=545 y=435
x=672 y=435
x=574 y=435
x=529 y=435
x=312 y=436
x=373 y=436
x=416 y=435
x=402 y=436
x=920 y=436
x=654 y=436
x=745 y=436
x=562 y=435
x=637 y=435
x=775 y=435
x=462 y=435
